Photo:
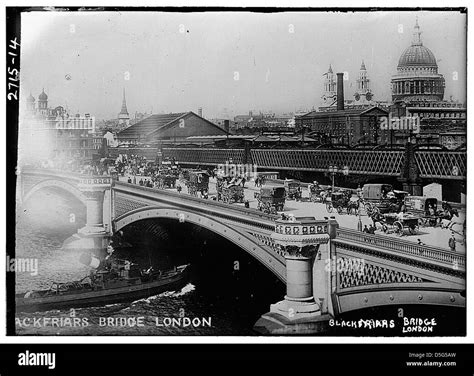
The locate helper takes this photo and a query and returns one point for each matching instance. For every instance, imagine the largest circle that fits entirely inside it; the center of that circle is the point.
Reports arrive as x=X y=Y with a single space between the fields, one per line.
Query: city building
x=261 y=122
x=418 y=92
x=47 y=133
x=169 y=128
x=343 y=126
x=233 y=126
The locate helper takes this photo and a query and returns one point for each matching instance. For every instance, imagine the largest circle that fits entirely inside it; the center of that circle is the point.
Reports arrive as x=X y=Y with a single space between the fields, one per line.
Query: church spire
x=124 y=111
x=416 y=35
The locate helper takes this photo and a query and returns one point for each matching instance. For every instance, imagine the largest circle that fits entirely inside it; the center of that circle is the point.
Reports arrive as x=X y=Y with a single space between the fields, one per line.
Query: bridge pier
x=93 y=237
x=410 y=177
x=303 y=311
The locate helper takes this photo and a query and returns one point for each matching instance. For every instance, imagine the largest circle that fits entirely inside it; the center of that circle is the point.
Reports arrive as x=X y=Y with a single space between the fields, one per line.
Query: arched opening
x=56 y=185
x=48 y=217
x=227 y=283
x=57 y=207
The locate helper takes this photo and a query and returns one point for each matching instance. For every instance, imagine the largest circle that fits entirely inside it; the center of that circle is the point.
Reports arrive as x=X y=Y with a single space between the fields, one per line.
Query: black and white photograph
x=237 y=172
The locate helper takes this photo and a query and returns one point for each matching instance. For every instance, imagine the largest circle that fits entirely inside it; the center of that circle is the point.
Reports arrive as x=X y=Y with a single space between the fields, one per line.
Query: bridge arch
x=53 y=183
x=246 y=242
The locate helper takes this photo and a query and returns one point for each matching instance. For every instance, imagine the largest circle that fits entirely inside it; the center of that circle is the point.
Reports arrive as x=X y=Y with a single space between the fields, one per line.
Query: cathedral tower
x=329 y=95
x=363 y=93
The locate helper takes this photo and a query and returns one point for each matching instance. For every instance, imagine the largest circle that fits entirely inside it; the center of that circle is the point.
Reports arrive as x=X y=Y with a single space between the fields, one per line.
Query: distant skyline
x=178 y=62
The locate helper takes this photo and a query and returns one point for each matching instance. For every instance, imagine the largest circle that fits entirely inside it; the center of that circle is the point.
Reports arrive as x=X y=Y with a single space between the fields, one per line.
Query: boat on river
x=124 y=283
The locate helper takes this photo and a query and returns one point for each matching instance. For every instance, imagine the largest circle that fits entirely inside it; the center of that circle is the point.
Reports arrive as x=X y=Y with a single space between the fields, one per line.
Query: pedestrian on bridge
x=452 y=242
x=257 y=181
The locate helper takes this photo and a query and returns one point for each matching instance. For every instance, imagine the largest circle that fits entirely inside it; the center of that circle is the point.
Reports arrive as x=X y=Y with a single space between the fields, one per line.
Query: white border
x=242 y=339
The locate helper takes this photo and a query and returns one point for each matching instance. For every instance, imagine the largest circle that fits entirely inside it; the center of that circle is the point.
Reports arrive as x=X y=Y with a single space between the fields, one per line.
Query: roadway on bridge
x=433 y=236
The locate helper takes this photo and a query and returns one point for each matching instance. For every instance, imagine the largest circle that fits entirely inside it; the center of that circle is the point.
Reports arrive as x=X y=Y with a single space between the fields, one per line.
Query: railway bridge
x=411 y=167
x=328 y=270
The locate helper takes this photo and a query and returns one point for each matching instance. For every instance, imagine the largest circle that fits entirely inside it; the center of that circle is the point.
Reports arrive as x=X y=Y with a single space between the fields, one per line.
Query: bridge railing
x=262 y=219
x=56 y=173
x=404 y=247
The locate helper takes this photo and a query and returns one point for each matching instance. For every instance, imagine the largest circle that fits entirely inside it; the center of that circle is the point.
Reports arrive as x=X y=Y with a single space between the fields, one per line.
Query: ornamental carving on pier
x=307 y=251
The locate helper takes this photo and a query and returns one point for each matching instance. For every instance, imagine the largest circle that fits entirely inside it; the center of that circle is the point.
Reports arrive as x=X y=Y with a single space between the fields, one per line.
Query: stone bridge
x=346 y=271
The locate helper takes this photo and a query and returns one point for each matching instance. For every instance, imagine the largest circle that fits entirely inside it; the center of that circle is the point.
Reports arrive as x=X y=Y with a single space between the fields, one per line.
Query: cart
x=315 y=191
x=426 y=208
x=400 y=225
x=293 y=189
x=232 y=192
x=271 y=198
x=337 y=201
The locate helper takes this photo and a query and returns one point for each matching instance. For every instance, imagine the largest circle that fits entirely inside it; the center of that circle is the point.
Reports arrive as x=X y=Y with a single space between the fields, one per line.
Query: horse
x=353 y=206
x=377 y=217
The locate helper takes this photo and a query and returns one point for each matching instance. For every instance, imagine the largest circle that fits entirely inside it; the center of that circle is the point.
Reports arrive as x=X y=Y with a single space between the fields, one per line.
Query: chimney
x=226 y=125
x=340 y=91
x=200 y=111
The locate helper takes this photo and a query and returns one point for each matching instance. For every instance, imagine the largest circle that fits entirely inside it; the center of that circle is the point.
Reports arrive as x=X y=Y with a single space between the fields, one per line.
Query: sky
x=228 y=63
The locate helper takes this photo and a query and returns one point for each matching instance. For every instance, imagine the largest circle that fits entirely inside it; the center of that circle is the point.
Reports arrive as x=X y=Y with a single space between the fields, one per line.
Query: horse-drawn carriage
x=353 y=205
x=197 y=181
x=338 y=201
x=293 y=189
x=425 y=207
x=315 y=192
x=382 y=198
x=399 y=224
x=232 y=191
x=271 y=198
x=166 y=180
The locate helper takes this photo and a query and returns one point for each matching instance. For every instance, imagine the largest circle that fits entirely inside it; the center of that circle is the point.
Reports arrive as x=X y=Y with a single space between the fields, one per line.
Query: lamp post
x=359 y=223
x=333 y=171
